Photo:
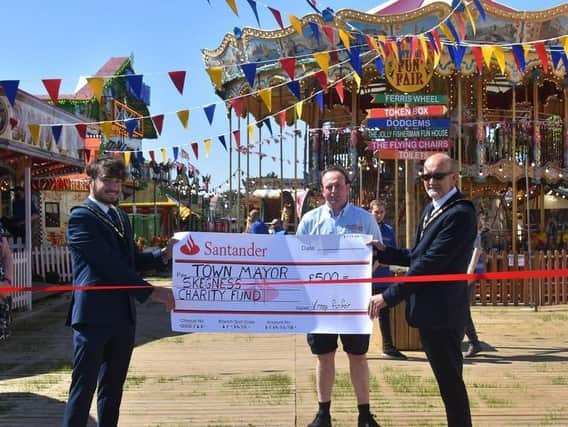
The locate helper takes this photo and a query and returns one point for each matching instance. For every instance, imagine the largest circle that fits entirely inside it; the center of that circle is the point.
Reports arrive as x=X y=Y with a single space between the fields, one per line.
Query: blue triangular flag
x=140 y=156
x=210 y=112
x=458 y=5
x=130 y=126
x=319 y=99
x=268 y=125
x=10 y=90
x=456 y=53
x=315 y=30
x=223 y=142
x=453 y=31
x=175 y=150
x=480 y=8
x=556 y=54
x=250 y=72
x=56 y=130
x=380 y=65
x=355 y=60
x=253 y=7
x=519 y=54
x=432 y=41
x=294 y=86
x=135 y=83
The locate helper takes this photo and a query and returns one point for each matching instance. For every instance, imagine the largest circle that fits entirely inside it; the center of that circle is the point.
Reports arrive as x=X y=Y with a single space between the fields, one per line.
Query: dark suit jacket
x=443 y=247
x=100 y=256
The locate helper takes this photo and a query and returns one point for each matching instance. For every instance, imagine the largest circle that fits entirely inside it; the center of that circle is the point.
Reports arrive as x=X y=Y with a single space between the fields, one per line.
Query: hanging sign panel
x=414 y=111
x=442 y=144
x=405 y=155
x=408 y=123
x=408 y=133
x=414 y=98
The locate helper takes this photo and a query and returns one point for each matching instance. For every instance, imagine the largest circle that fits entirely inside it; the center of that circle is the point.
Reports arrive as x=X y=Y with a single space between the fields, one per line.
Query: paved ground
x=267 y=380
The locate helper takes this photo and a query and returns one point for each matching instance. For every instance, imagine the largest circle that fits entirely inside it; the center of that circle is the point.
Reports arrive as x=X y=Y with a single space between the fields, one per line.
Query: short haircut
x=377 y=203
x=110 y=166
x=337 y=169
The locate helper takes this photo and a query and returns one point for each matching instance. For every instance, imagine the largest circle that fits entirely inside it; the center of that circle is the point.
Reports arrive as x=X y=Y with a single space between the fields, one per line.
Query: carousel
x=377 y=92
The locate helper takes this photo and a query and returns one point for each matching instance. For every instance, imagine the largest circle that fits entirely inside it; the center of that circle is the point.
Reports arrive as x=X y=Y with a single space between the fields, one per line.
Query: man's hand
x=167 y=251
x=375 y=304
x=377 y=245
x=165 y=296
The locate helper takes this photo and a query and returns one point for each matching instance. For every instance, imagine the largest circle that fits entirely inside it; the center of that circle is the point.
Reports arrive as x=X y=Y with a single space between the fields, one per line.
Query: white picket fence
x=22 y=279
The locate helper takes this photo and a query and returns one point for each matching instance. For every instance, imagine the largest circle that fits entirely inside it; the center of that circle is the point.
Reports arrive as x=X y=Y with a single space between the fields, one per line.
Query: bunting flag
x=322 y=59
x=175 y=151
x=478 y=56
x=344 y=37
x=34 y=131
x=184 y=154
x=183 y=116
x=250 y=132
x=371 y=43
x=52 y=86
x=456 y=54
x=252 y=5
x=140 y=157
x=238 y=105
x=471 y=20
x=216 y=76
x=223 y=142
x=266 y=121
x=379 y=65
x=339 y=90
x=277 y=16
x=296 y=24
x=282 y=118
x=432 y=41
x=519 y=55
x=233 y=6
x=436 y=36
x=315 y=31
x=299 y=107
x=178 y=79
x=237 y=136
x=294 y=87
x=96 y=84
x=355 y=60
x=209 y=112
x=127 y=154
x=487 y=52
x=479 y=7
x=135 y=83
x=289 y=65
x=164 y=155
x=319 y=100
x=249 y=71
x=266 y=96
x=81 y=130
x=453 y=31
x=556 y=56
x=207 y=146
x=56 y=130
x=106 y=128
x=152 y=156
x=10 y=90
x=565 y=42
x=542 y=55
x=461 y=25
x=321 y=78
x=329 y=33
x=445 y=29
x=413 y=46
x=357 y=79
x=423 y=47
x=500 y=57
x=158 y=121
x=131 y=124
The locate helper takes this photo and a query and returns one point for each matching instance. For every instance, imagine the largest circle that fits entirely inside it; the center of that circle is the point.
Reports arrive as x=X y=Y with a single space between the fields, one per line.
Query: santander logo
x=190 y=247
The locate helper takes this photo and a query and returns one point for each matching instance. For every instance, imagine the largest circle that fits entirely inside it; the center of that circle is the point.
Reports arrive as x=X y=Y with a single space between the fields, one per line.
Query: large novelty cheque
x=244 y=283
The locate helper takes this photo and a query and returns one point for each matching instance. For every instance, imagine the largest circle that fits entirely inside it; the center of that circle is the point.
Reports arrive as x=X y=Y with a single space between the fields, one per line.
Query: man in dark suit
x=103 y=253
x=444 y=244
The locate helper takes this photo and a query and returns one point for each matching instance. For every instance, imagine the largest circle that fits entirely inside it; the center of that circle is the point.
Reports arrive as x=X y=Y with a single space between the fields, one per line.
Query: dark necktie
x=113 y=214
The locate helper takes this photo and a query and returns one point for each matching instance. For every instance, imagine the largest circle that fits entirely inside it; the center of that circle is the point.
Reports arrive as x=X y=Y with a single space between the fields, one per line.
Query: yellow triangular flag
x=344 y=36
x=297 y=24
x=357 y=80
x=526 y=48
x=500 y=56
x=207 y=145
x=164 y=155
x=447 y=32
x=436 y=60
x=250 y=130
x=322 y=58
x=487 y=52
x=299 y=108
x=106 y=128
x=266 y=96
x=96 y=84
x=183 y=116
x=470 y=17
x=565 y=42
x=34 y=130
x=216 y=76
x=423 y=46
x=233 y=6
x=127 y=155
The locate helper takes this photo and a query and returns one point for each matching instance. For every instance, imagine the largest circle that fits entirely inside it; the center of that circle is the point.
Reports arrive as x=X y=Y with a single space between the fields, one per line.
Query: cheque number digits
x=327 y=275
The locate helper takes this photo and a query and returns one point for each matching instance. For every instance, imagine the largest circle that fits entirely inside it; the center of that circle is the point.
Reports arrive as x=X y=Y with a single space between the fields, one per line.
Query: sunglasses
x=438 y=176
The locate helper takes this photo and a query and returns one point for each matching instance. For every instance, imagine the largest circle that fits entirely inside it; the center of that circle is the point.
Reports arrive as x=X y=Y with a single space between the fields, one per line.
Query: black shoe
x=321 y=420
x=367 y=420
x=393 y=353
x=473 y=349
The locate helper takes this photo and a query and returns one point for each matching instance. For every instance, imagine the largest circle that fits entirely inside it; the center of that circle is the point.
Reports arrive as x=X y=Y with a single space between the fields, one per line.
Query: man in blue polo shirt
x=338 y=216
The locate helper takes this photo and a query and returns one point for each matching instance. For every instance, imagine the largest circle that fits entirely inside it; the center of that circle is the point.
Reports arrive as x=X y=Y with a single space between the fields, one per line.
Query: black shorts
x=326 y=343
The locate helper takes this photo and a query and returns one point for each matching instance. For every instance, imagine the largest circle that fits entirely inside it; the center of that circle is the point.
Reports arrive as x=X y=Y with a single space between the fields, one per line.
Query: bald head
x=439 y=175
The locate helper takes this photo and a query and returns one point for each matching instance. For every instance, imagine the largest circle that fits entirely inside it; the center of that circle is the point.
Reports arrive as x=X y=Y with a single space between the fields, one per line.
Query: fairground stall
x=379 y=91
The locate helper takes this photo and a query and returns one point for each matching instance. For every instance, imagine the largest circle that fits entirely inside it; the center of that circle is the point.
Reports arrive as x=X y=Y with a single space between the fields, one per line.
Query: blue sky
x=67 y=39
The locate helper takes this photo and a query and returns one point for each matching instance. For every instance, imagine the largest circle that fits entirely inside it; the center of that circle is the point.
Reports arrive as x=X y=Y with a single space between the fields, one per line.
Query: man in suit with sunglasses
x=444 y=244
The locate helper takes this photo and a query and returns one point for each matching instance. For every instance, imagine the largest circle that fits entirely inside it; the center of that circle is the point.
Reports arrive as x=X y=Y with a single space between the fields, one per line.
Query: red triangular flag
x=195 y=149
x=329 y=33
x=52 y=87
x=277 y=16
x=152 y=156
x=282 y=118
x=237 y=136
x=542 y=54
x=158 y=121
x=321 y=79
x=178 y=79
x=478 y=55
x=289 y=65
x=87 y=155
x=339 y=90
x=238 y=105
x=82 y=129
